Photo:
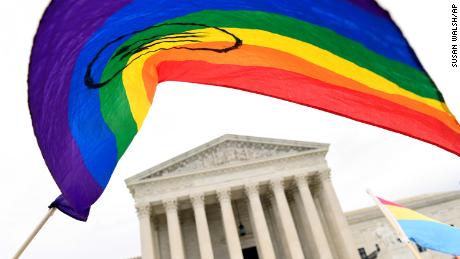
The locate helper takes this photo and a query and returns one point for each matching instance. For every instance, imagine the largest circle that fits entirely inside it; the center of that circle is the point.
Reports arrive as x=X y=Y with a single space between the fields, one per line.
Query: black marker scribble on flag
x=140 y=45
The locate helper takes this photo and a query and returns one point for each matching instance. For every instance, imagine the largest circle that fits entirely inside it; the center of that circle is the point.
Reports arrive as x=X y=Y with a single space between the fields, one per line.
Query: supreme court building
x=242 y=197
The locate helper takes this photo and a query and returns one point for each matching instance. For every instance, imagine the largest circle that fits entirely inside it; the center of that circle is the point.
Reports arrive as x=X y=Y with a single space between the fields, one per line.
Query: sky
x=184 y=116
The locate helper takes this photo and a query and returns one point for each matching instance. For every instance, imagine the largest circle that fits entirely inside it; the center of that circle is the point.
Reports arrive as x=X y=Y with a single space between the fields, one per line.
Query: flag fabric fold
x=65 y=207
x=424 y=231
x=95 y=66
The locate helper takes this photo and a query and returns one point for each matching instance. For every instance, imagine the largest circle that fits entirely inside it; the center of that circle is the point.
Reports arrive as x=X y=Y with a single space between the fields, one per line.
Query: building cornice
x=320 y=153
x=207 y=154
x=415 y=203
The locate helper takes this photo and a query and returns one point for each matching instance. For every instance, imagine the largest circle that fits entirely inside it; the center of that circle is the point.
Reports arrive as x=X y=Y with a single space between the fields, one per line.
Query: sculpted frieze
x=227 y=153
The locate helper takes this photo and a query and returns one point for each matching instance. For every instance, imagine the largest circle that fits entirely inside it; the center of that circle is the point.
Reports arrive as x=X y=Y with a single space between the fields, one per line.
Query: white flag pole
x=394 y=223
x=34 y=233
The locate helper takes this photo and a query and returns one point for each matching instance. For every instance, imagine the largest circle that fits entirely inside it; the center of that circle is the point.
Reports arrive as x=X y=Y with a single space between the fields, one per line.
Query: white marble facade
x=278 y=191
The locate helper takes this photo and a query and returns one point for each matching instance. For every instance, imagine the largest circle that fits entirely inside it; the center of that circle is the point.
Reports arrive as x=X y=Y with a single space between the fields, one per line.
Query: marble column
x=147 y=230
x=174 y=232
x=311 y=219
x=335 y=218
x=202 y=228
x=265 y=246
x=272 y=217
x=287 y=222
x=231 y=232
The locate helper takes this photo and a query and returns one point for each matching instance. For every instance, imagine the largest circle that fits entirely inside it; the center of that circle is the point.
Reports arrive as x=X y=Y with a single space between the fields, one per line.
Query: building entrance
x=250 y=253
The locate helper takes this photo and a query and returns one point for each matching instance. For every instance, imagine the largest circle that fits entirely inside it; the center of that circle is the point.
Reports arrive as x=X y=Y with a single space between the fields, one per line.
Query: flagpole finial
x=369 y=191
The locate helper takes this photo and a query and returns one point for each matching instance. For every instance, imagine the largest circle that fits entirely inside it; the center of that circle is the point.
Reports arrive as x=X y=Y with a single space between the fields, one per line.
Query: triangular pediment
x=227 y=150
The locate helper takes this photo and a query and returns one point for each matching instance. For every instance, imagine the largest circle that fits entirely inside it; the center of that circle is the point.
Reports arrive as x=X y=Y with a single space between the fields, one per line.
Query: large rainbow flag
x=95 y=66
x=425 y=231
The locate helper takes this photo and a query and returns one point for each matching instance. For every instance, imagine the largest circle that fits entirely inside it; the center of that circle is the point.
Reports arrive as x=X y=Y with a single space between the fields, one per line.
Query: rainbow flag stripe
x=95 y=66
x=425 y=231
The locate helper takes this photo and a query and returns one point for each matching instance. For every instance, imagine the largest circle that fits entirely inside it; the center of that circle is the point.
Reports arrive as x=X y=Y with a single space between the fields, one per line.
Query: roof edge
x=217 y=141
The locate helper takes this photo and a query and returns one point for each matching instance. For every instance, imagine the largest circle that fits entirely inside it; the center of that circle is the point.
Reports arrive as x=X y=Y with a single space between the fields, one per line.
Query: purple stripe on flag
x=371 y=6
x=50 y=117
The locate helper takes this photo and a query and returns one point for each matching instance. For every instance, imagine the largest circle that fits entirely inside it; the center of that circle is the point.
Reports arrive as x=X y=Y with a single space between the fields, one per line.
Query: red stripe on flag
x=311 y=92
